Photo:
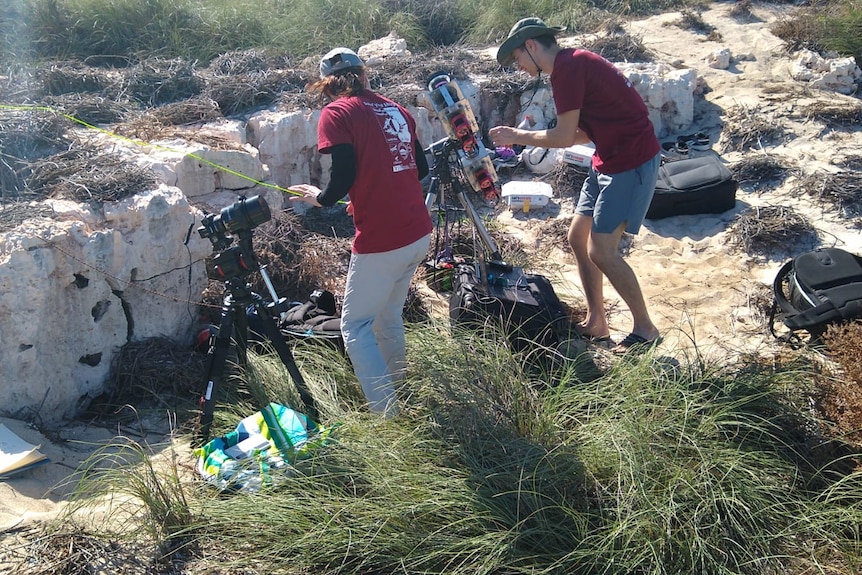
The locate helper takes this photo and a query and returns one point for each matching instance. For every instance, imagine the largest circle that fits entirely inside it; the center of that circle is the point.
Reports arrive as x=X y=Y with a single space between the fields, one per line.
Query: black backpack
x=817 y=288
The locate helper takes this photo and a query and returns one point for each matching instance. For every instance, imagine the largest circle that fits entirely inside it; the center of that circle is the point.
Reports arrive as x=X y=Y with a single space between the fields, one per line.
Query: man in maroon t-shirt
x=376 y=160
x=595 y=103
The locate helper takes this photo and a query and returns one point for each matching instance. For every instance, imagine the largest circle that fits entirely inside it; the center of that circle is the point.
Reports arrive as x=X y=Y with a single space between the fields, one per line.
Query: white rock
x=833 y=74
x=76 y=290
x=719 y=59
x=378 y=50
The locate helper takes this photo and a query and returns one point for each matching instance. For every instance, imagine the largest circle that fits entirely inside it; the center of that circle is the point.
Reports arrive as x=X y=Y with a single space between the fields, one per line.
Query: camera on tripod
x=231 y=265
x=239 y=218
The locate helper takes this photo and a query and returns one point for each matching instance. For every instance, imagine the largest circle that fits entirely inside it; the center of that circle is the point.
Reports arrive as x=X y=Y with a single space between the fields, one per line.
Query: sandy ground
x=699 y=288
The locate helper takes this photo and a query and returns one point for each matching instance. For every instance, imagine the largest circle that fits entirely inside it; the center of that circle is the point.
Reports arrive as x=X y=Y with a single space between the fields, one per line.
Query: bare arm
x=563 y=135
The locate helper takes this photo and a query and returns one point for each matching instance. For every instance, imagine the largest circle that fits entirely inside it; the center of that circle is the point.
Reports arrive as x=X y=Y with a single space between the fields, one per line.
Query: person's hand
x=349 y=208
x=309 y=194
x=503 y=135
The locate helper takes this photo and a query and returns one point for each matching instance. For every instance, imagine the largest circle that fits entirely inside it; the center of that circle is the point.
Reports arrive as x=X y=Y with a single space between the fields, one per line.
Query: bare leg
x=596 y=323
x=604 y=252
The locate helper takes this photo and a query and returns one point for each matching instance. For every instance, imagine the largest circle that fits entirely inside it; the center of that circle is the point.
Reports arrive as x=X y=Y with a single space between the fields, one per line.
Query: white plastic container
x=527 y=195
x=579 y=154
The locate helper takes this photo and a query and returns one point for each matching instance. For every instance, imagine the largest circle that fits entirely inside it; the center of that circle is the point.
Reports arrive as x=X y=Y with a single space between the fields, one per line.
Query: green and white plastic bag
x=262 y=447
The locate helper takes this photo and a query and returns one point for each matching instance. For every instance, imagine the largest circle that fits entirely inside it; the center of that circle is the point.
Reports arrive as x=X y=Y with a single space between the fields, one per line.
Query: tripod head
x=240 y=218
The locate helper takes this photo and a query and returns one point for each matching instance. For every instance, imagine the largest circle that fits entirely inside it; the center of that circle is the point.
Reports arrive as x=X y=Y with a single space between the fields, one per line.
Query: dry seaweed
x=14 y=214
x=158 y=81
x=842 y=190
x=620 y=48
x=851 y=162
x=239 y=62
x=846 y=113
x=745 y=129
x=246 y=92
x=769 y=230
x=27 y=135
x=192 y=110
x=567 y=179
x=75 y=550
x=90 y=108
x=84 y=174
x=155 y=371
x=554 y=233
x=761 y=171
x=30 y=134
x=72 y=77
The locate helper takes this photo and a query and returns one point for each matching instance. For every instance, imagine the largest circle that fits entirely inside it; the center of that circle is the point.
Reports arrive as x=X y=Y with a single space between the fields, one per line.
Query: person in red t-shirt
x=595 y=103
x=378 y=162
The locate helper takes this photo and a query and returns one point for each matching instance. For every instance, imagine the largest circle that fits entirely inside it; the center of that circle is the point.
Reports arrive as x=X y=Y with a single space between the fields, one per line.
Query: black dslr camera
x=239 y=218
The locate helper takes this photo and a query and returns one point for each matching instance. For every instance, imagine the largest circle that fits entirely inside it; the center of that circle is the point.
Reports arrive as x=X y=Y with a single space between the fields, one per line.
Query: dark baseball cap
x=338 y=59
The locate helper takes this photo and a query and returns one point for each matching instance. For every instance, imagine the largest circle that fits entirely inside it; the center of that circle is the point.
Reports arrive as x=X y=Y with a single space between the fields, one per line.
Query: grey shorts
x=611 y=199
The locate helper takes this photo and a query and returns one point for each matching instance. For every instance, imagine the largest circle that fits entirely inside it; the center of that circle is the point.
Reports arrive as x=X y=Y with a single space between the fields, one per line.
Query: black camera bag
x=700 y=185
x=525 y=306
x=818 y=288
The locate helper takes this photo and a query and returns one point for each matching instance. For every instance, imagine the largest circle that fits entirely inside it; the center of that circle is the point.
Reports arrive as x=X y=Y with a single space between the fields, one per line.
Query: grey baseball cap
x=522 y=31
x=338 y=59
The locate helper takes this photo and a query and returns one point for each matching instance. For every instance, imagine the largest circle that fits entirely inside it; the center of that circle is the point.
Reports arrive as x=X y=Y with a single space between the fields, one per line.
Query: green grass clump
x=653 y=467
x=200 y=30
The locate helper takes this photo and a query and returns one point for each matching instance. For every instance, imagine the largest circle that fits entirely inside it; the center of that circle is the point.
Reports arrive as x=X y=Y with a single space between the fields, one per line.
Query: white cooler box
x=527 y=195
x=579 y=155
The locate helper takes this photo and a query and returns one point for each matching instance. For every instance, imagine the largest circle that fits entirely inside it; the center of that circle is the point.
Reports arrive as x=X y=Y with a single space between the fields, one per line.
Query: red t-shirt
x=388 y=204
x=613 y=114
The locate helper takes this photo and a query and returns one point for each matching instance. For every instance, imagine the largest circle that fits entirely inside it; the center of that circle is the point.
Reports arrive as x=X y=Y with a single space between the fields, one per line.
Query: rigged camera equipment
x=525 y=304
x=232 y=265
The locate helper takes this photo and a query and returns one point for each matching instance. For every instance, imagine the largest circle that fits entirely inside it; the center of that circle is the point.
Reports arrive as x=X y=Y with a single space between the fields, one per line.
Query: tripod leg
x=277 y=339
x=218 y=352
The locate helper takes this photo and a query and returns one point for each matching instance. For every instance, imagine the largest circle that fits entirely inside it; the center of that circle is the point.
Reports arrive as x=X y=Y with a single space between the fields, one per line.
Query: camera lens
x=246 y=214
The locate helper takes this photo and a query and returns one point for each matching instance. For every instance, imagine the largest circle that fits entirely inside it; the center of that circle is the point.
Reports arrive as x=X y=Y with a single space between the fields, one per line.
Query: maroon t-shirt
x=388 y=205
x=613 y=114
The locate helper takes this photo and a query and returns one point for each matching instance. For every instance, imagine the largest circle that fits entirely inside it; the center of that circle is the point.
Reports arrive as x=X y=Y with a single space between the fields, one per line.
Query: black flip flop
x=634 y=343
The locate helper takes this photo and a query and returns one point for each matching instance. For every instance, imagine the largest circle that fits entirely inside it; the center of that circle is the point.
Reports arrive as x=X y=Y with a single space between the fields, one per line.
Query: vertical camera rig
x=457 y=117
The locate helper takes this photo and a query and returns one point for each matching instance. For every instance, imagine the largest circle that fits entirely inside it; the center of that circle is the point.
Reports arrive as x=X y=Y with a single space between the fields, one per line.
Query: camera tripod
x=444 y=182
x=233 y=329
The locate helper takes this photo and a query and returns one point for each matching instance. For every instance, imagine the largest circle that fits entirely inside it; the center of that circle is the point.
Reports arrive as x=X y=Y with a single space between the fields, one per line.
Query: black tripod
x=233 y=329
x=443 y=182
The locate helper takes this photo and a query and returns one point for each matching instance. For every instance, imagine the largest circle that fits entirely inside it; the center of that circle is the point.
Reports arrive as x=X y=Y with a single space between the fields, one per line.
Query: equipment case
x=701 y=185
x=524 y=305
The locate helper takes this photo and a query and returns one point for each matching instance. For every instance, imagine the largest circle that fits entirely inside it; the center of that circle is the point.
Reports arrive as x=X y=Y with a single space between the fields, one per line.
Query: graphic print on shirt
x=396 y=130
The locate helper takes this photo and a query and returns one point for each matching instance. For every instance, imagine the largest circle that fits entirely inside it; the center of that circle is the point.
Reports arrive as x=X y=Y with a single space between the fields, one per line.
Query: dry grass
x=769 y=230
x=841 y=398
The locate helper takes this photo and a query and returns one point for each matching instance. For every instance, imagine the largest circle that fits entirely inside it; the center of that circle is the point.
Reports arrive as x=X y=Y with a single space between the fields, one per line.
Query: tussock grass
x=655 y=466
